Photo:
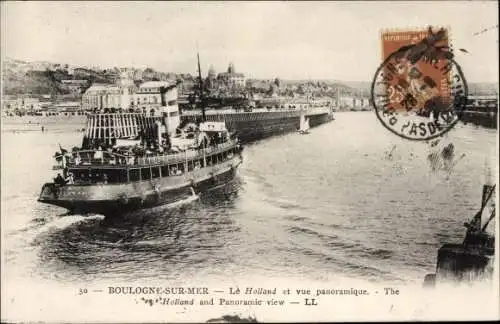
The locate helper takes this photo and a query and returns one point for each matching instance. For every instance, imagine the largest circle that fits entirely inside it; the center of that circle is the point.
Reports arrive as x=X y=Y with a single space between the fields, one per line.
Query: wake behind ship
x=131 y=161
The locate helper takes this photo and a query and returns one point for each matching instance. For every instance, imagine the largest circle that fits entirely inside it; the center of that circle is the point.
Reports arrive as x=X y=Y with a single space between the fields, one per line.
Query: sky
x=290 y=40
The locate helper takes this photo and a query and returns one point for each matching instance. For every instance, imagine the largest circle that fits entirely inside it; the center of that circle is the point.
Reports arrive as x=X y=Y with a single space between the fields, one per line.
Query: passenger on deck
x=78 y=159
x=98 y=155
x=175 y=171
x=164 y=143
x=59 y=180
x=70 y=179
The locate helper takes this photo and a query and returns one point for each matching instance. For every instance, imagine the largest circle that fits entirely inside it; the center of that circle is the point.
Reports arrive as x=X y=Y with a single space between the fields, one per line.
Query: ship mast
x=203 y=117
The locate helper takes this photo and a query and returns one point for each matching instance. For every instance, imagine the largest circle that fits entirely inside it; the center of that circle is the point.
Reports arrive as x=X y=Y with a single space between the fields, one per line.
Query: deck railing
x=87 y=157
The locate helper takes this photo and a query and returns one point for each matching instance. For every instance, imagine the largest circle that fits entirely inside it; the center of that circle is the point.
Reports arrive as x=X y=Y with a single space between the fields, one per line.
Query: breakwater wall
x=480 y=118
x=255 y=125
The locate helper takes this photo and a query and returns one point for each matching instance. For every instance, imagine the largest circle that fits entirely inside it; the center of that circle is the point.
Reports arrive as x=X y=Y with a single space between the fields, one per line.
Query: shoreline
x=34 y=123
x=28 y=120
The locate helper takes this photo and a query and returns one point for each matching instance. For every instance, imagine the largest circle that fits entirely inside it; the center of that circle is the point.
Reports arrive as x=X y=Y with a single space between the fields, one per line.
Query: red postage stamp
x=419 y=87
x=422 y=77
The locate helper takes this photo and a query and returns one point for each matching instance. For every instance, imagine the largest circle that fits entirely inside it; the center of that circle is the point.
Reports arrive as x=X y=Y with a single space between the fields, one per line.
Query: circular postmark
x=419 y=96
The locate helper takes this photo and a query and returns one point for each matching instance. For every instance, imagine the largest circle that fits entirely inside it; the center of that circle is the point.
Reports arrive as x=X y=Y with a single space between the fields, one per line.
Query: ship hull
x=122 y=199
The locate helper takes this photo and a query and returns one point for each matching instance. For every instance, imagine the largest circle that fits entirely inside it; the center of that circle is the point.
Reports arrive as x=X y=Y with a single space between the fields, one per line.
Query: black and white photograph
x=249 y=161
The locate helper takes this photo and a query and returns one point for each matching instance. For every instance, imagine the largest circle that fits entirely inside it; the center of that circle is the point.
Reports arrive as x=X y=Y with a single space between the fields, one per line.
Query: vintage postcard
x=244 y=162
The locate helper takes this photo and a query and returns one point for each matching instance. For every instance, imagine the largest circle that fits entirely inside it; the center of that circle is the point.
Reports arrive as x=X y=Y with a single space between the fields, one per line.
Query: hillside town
x=47 y=89
x=50 y=89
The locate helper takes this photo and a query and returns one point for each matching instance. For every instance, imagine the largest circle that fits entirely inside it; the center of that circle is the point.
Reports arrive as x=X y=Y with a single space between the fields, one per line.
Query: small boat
x=304 y=125
x=472 y=260
x=132 y=161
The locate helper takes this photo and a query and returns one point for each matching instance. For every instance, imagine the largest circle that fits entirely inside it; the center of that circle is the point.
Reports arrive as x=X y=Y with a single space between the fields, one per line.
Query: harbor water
x=349 y=200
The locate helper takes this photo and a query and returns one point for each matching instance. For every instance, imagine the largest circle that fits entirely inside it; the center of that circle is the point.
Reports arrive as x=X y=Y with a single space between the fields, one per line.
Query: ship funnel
x=163 y=90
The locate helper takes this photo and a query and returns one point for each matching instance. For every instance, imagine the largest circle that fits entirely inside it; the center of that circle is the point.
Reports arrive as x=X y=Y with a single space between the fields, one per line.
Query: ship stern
x=75 y=200
x=50 y=194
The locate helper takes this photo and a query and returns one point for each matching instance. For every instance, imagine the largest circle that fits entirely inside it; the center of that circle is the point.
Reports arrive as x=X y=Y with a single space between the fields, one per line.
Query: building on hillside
x=62 y=108
x=21 y=103
x=108 y=96
x=352 y=102
x=45 y=102
x=80 y=83
x=102 y=96
x=9 y=102
x=82 y=72
x=155 y=98
x=75 y=86
x=231 y=78
x=346 y=101
x=211 y=73
x=65 y=108
x=137 y=75
x=185 y=87
x=149 y=74
x=211 y=80
x=159 y=98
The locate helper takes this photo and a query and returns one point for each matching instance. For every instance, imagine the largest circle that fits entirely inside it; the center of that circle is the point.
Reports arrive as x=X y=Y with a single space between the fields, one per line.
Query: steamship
x=130 y=161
